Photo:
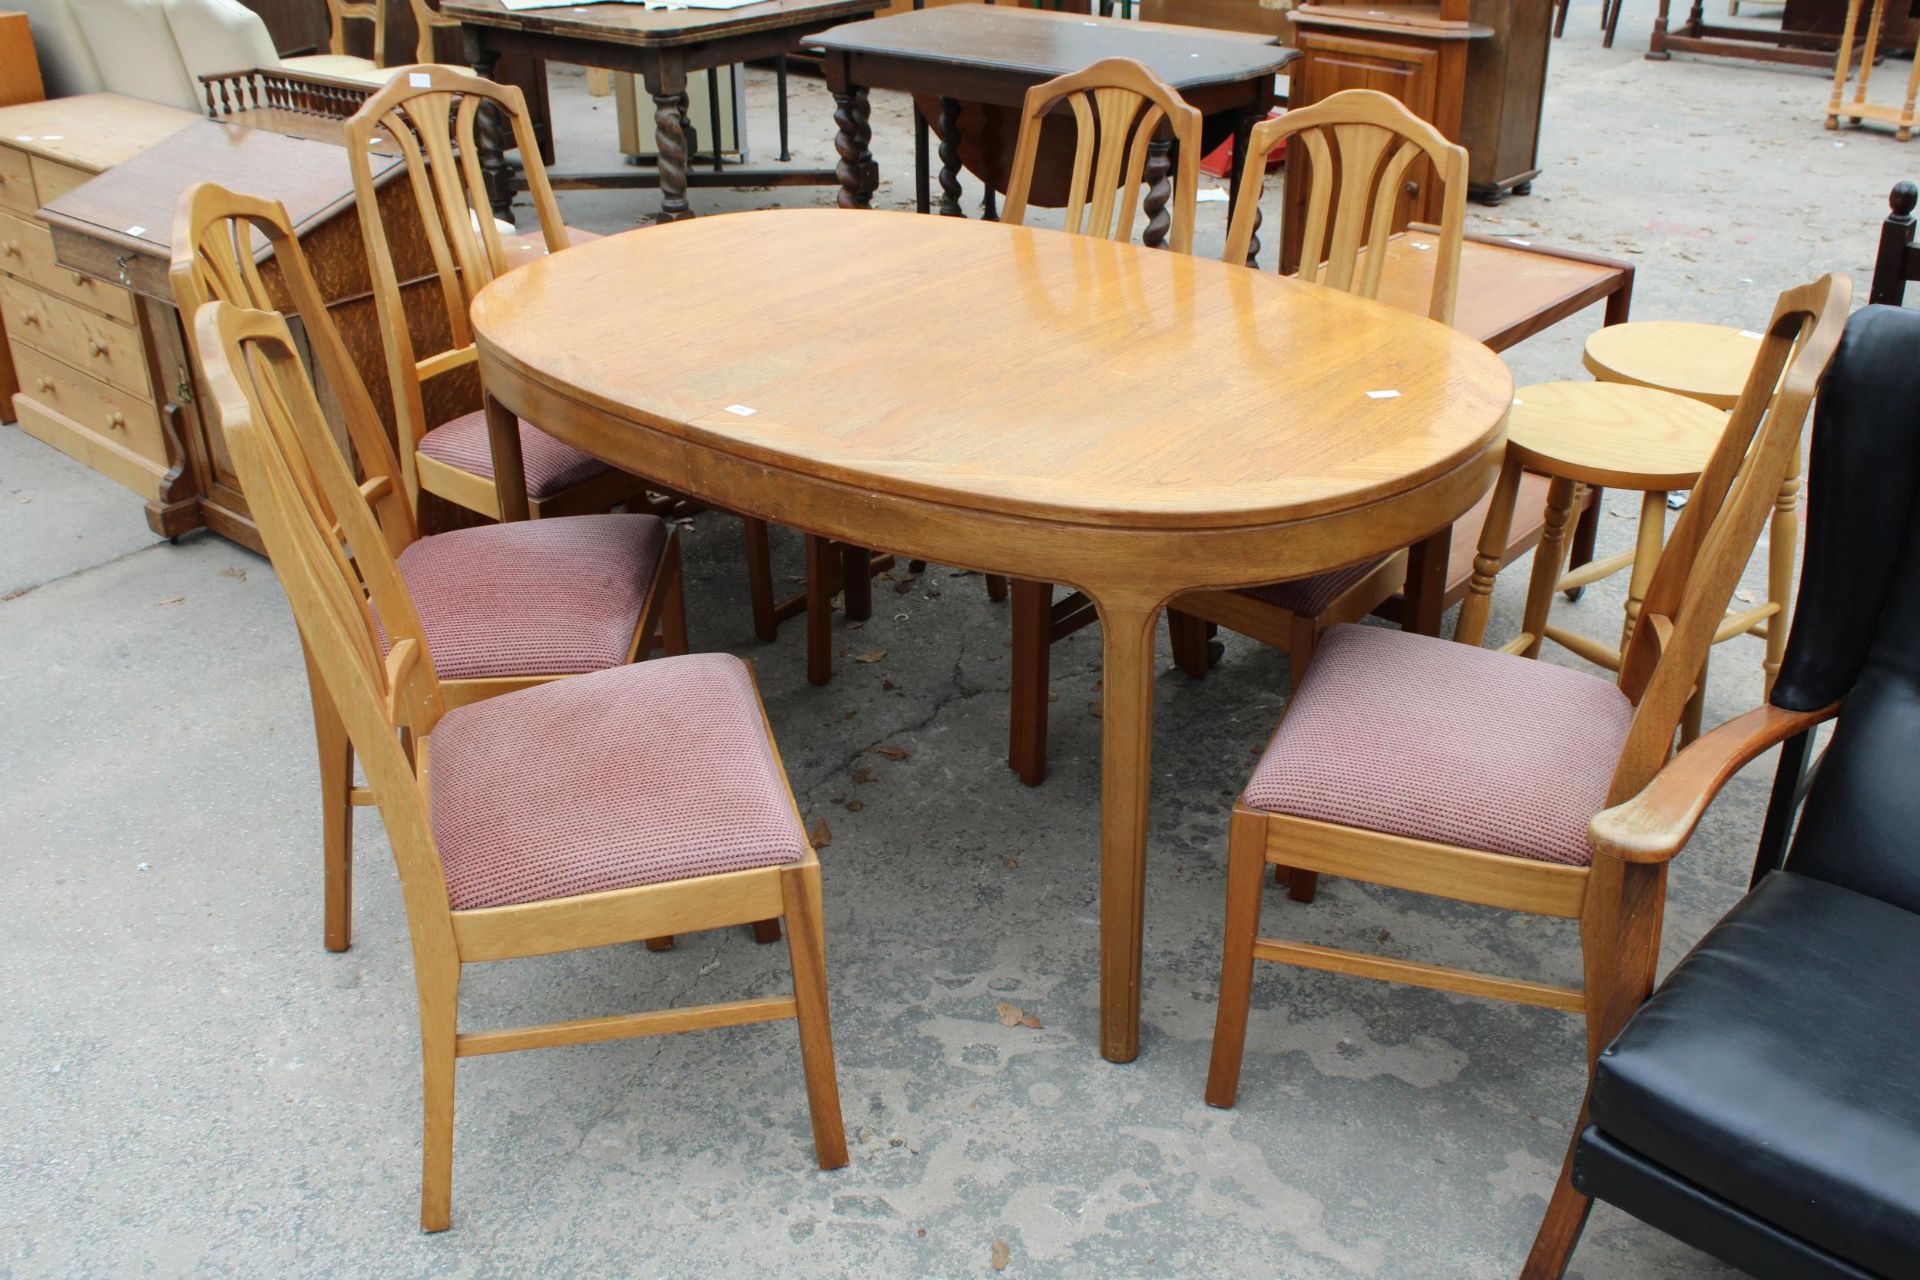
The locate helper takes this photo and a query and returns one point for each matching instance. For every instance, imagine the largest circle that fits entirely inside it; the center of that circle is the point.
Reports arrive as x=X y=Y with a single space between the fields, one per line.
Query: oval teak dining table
x=1133 y=423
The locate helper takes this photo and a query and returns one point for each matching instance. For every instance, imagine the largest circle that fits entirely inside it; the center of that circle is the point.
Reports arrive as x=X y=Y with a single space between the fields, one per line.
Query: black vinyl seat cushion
x=1778 y=1069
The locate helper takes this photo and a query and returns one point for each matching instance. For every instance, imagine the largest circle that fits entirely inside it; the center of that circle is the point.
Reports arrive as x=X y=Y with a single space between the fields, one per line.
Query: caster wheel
x=1573 y=596
x=1524 y=189
x=1216 y=652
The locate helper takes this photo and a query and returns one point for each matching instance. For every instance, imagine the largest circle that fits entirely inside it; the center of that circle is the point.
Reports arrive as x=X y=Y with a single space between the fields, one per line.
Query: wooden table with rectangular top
x=1132 y=423
x=661 y=46
x=992 y=54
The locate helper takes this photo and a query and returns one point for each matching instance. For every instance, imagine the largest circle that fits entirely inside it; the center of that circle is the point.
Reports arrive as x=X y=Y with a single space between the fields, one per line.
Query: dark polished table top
x=1046 y=44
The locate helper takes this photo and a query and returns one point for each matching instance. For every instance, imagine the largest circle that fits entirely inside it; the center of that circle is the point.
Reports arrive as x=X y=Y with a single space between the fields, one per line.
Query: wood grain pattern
x=881 y=433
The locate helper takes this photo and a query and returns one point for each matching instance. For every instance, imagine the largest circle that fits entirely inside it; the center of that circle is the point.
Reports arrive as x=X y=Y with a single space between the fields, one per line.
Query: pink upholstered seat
x=535 y=597
x=1413 y=736
x=1309 y=597
x=551 y=466
x=646 y=773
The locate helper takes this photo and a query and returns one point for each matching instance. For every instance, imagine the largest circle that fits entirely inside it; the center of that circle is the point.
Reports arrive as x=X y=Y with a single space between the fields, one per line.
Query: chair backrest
x=429 y=113
x=264 y=402
x=1359 y=147
x=1715 y=536
x=340 y=12
x=135 y=52
x=218 y=236
x=1898 y=260
x=427 y=20
x=1856 y=627
x=1127 y=120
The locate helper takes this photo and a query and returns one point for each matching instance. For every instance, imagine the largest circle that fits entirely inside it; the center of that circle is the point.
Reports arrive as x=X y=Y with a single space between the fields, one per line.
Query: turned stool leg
x=1646 y=557
x=1471 y=629
x=1546 y=565
x=1783 y=539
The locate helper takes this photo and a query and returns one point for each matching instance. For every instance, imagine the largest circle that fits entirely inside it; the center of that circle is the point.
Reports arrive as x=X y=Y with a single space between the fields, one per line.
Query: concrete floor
x=192 y=1086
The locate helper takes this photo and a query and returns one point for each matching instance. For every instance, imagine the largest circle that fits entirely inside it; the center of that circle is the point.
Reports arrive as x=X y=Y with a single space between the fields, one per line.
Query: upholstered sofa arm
x=1657 y=823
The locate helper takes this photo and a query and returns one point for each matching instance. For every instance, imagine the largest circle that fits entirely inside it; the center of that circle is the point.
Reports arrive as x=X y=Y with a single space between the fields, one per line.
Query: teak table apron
x=1133 y=423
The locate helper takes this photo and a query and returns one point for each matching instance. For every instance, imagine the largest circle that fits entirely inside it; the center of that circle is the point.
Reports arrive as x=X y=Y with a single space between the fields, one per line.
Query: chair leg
x=1566 y=1217
x=662 y=943
x=1546 y=564
x=806 y=932
x=856 y=579
x=1650 y=541
x=1032 y=661
x=1586 y=532
x=1188 y=634
x=1246 y=857
x=820 y=557
x=439 y=1006
x=766 y=625
x=673 y=606
x=766 y=931
x=996 y=587
x=336 y=813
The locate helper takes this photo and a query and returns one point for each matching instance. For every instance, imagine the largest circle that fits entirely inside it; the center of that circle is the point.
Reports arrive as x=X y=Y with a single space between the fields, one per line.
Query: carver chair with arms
x=1421 y=764
x=1130 y=127
x=503 y=606
x=1762 y=1104
x=613 y=807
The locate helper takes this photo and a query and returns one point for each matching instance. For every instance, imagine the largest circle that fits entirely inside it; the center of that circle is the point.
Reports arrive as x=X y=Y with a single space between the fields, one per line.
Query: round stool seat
x=1614 y=436
x=1705 y=362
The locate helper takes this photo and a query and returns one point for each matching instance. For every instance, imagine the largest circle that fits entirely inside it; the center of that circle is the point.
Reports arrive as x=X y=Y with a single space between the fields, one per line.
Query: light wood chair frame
x=1364 y=144
x=216 y=257
x=427 y=20
x=1126 y=118
x=1619 y=897
x=430 y=114
x=309 y=521
x=341 y=12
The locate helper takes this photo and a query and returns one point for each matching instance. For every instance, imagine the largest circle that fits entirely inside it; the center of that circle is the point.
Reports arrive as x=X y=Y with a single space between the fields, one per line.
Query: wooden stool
x=1901 y=117
x=1709 y=363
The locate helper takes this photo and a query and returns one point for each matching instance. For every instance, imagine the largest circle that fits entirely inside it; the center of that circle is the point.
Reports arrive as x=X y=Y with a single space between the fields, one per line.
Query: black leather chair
x=1764 y=1104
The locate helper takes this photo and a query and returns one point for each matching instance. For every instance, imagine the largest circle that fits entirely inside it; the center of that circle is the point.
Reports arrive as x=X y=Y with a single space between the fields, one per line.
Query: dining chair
x=426 y=21
x=336 y=61
x=504 y=606
x=1421 y=764
x=429 y=116
x=610 y=808
x=1132 y=129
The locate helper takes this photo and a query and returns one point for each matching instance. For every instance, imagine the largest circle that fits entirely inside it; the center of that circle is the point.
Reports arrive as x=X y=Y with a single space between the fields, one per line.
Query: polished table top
x=1049 y=44
x=1003 y=368
x=1132 y=422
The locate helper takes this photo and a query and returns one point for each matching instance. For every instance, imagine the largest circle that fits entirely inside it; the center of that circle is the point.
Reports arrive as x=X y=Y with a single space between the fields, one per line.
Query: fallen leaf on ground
x=1001 y=1255
x=855 y=806
x=821 y=835
x=888 y=684
x=1093 y=709
x=891 y=753
x=174 y=600
x=863 y=774
x=1010 y=1014
x=235 y=572
x=1012 y=863
x=1031 y=1022
x=1744 y=596
x=873 y=655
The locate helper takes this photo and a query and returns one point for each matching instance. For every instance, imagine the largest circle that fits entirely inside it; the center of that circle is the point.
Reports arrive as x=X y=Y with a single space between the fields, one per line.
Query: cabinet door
x=1330 y=63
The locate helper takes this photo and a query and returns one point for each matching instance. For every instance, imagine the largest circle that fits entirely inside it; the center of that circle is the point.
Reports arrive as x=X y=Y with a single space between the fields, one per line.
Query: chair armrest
x=1657 y=823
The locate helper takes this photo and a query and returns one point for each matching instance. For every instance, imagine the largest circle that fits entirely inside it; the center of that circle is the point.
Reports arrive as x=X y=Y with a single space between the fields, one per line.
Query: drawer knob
x=30 y=316
x=11 y=248
x=46 y=386
x=96 y=346
x=118 y=421
x=81 y=277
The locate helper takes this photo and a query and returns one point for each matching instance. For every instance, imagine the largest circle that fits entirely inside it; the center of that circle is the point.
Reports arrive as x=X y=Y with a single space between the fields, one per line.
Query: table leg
x=849 y=117
x=869 y=167
x=950 y=159
x=1425 y=601
x=1159 y=178
x=489 y=139
x=509 y=468
x=666 y=82
x=1126 y=750
x=922 y=183
x=780 y=89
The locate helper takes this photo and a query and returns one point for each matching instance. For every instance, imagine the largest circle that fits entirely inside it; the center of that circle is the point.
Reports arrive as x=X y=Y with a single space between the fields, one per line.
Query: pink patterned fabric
x=1309 y=597
x=1413 y=736
x=551 y=466
x=647 y=773
x=535 y=597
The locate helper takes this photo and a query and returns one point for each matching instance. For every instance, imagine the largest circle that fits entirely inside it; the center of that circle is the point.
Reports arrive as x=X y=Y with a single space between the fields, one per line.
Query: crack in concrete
x=14 y=593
